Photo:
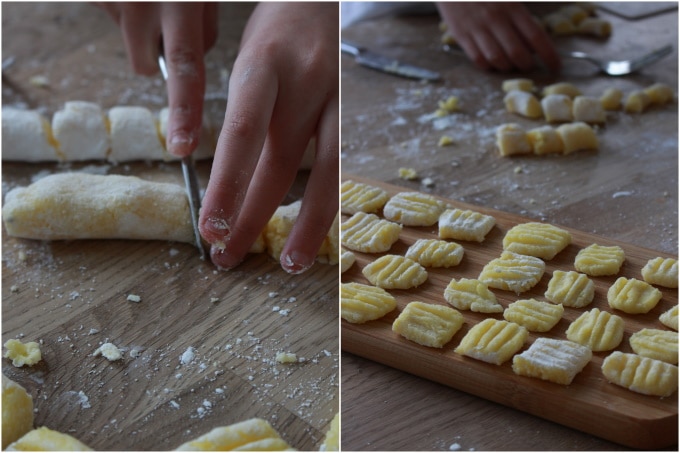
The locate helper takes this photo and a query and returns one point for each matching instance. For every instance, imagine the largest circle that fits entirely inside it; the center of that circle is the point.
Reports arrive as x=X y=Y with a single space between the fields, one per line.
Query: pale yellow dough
x=429 y=325
x=395 y=272
x=656 y=344
x=362 y=303
x=599 y=330
x=641 y=374
x=17 y=411
x=254 y=434
x=45 y=439
x=23 y=353
x=493 y=341
x=552 y=360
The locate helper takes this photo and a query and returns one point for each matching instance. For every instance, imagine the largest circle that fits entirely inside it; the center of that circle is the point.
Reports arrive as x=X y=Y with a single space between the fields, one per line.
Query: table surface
x=71 y=296
x=626 y=191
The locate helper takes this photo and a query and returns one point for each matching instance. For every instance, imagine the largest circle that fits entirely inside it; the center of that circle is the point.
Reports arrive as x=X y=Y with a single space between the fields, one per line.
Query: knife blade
x=190 y=177
x=387 y=65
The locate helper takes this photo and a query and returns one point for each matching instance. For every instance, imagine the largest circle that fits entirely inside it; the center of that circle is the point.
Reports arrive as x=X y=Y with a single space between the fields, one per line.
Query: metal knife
x=190 y=178
x=381 y=63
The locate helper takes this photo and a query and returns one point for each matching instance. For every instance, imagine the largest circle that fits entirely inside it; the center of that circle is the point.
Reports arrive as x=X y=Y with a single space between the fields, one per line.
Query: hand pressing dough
x=27 y=137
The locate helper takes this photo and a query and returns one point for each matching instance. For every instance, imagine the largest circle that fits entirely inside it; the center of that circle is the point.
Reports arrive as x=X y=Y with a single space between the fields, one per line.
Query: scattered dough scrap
x=134 y=135
x=473 y=295
x=557 y=108
x=17 y=411
x=641 y=374
x=535 y=315
x=599 y=330
x=669 y=318
x=45 y=439
x=435 y=253
x=254 y=434
x=449 y=105
x=395 y=272
x=599 y=260
x=656 y=344
x=633 y=296
x=109 y=351
x=357 y=196
x=409 y=174
x=540 y=240
x=464 y=225
x=511 y=139
x=428 y=324
x=369 y=233
x=611 y=99
x=347 y=259
x=577 y=136
x=588 y=110
x=23 y=353
x=362 y=303
x=413 y=209
x=662 y=272
x=565 y=88
x=545 y=140
x=81 y=132
x=571 y=289
x=445 y=140
x=286 y=357
x=27 y=136
x=493 y=341
x=518 y=84
x=513 y=272
x=331 y=441
x=523 y=103
x=552 y=360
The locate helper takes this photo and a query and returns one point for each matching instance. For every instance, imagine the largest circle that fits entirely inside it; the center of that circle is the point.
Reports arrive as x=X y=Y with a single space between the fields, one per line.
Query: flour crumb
x=14 y=289
x=110 y=351
x=455 y=447
x=134 y=298
x=174 y=404
x=187 y=356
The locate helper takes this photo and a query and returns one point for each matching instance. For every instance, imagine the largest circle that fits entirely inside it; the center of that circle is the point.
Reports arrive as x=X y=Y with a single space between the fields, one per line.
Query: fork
x=622 y=67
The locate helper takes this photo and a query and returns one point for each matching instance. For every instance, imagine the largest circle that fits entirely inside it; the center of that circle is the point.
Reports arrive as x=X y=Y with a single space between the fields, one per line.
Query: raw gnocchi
x=428 y=324
x=641 y=374
x=435 y=253
x=357 y=196
x=557 y=108
x=633 y=296
x=598 y=260
x=369 y=233
x=535 y=315
x=577 y=136
x=254 y=434
x=395 y=272
x=17 y=411
x=413 y=209
x=656 y=344
x=552 y=360
x=662 y=272
x=523 y=103
x=493 y=341
x=511 y=139
x=599 y=330
x=473 y=295
x=513 y=272
x=465 y=225
x=570 y=289
x=540 y=240
x=362 y=303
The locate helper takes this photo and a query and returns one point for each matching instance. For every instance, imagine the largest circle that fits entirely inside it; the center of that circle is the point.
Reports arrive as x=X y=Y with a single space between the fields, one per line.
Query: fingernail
x=181 y=143
x=220 y=258
x=217 y=230
x=295 y=263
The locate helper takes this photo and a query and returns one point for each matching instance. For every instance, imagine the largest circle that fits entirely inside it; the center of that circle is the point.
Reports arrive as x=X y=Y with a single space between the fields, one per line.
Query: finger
x=141 y=32
x=513 y=46
x=184 y=49
x=473 y=52
x=492 y=51
x=539 y=40
x=320 y=203
x=209 y=25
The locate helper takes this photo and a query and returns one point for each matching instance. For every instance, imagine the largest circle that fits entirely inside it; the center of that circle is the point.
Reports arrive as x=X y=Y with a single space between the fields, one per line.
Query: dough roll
x=86 y=206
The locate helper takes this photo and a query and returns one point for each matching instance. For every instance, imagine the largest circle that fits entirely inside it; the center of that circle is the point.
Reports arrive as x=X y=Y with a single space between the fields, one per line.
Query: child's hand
x=501 y=36
x=283 y=90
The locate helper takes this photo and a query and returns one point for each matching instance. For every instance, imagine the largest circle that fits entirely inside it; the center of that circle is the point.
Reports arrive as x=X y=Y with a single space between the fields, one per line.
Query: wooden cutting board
x=590 y=403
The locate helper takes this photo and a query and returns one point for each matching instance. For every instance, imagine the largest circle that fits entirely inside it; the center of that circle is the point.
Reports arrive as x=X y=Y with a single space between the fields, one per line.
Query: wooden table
x=626 y=191
x=72 y=296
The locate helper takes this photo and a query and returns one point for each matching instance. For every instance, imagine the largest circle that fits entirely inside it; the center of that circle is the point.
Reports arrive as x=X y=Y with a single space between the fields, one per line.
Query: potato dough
x=17 y=411
x=557 y=108
x=134 y=135
x=254 y=434
x=523 y=103
x=45 y=439
x=511 y=139
x=81 y=132
x=588 y=110
x=27 y=137
x=577 y=136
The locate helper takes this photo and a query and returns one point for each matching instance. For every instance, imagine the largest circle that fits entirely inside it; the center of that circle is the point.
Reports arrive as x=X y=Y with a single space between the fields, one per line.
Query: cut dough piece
x=27 y=137
x=598 y=260
x=577 y=136
x=134 y=135
x=428 y=324
x=331 y=441
x=473 y=295
x=23 y=353
x=357 y=196
x=541 y=240
x=81 y=132
x=670 y=318
x=413 y=209
x=637 y=102
x=599 y=330
x=369 y=233
x=206 y=141
x=535 y=315
x=557 y=108
x=493 y=341
x=347 y=260
x=633 y=296
x=518 y=84
x=552 y=360
x=395 y=272
x=641 y=374
x=565 y=88
x=513 y=272
x=545 y=140
x=435 y=253
x=571 y=289
x=45 y=439
x=588 y=110
x=511 y=139
x=594 y=26
x=17 y=411
x=656 y=344
x=523 y=103
x=662 y=272
x=254 y=434
x=362 y=303
x=659 y=93
x=465 y=225
x=611 y=99
x=85 y=206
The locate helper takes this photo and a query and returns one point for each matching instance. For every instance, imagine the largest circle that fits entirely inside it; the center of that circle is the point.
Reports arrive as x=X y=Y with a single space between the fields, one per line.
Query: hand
x=283 y=90
x=188 y=31
x=501 y=36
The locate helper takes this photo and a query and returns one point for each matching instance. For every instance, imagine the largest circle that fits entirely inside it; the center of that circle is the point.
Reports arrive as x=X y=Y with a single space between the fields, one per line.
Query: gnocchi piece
x=594 y=26
x=565 y=88
x=571 y=289
x=659 y=93
x=641 y=374
x=465 y=225
x=535 y=315
x=599 y=330
x=45 y=439
x=357 y=196
x=428 y=324
x=17 y=411
x=493 y=341
x=540 y=240
x=134 y=135
x=557 y=108
x=347 y=260
x=632 y=296
x=449 y=105
x=27 y=136
x=511 y=139
x=637 y=102
x=395 y=272
x=80 y=131
x=254 y=434
x=408 y=174
x=518 y=84
x=577 y=136
x=435 y=253
x=662 y=272
x=523 y=103
x=513 y=272
x=368 y=233
x=656 y=344
x=588 y=110
x=599 y=260
x=669 y=318
x=362 y=303
x=413 y=209
x=473 y=295
x=23 y=353
x=545 y=140
x=559 y=24
x=611 y=99
x=557 y=361
x=331 y=441
x=574 y=12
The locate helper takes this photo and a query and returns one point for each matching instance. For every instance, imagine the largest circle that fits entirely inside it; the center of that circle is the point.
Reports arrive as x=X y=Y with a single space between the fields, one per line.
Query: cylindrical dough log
x=27 y=137
x=81 y=132
x=85 y=206
x=17 y=411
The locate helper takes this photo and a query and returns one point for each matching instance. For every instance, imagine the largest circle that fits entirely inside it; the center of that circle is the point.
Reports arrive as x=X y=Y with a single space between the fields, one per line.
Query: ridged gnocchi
x=429 y=325
x=362 y=303
x=535 y=315
x=473 y=295
x=369 y=233
x=17 y=411
x=552 y=360
x=571 y=289
x=632 y=296
x=45 y=439
x=662 y=272
x=599 y=260
x=435 y=253
x=413 y=209
x=656 y=344
x=254 y=434
x=493 y=341
x=540 y=240
x=669 y=318
x=599 y=330
x=465 y=225
x=641 y=374
x=513 y=272
x=395 y=272
x=357 y=196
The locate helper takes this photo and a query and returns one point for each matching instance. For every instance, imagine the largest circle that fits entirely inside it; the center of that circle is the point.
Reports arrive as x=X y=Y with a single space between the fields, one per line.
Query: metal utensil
x=622 y=67
x=381 y=63
x=190 y=178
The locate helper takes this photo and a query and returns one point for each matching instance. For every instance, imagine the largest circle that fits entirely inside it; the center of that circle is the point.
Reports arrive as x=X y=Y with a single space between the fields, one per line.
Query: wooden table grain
x=628 y=191
x=71 y=296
